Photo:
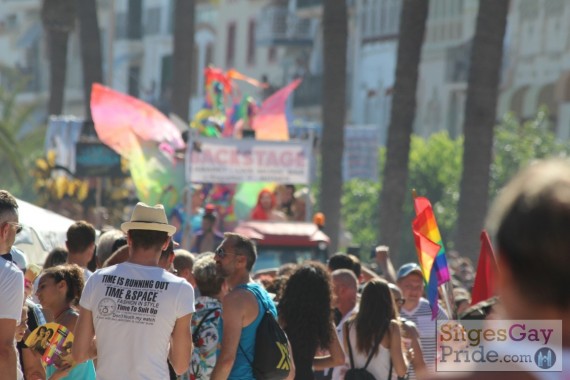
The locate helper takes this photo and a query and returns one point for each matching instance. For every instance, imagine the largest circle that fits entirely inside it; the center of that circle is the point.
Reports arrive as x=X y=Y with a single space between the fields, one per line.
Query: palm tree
x=182 y=56
x=58 y=17
x=91 y=56
x=335 y=30
x=16 y=145
x=480 y=119
x=394 y=186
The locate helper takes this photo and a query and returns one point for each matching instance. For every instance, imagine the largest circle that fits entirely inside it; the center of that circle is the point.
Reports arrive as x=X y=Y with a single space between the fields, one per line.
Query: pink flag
x=148 y=139
x=120 y=120
x=270 y=123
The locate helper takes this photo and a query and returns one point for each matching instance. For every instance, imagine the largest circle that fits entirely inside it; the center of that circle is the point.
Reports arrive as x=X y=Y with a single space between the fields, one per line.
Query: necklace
x=60 y=314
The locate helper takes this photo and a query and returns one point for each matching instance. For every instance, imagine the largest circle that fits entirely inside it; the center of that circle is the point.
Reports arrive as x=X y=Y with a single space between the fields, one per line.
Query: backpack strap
x=195 y=334
x=265 y=309
x=346 y=332
x=257 y=296
x=376 y=343
x=245 y=355
x=196 y=370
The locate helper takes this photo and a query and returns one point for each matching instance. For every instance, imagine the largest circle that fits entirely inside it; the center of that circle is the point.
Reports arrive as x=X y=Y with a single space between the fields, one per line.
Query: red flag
x=270 y=123
x=486 y=268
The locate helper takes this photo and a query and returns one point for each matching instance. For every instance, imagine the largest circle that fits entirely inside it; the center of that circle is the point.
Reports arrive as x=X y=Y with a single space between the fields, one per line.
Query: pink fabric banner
x=270 y=123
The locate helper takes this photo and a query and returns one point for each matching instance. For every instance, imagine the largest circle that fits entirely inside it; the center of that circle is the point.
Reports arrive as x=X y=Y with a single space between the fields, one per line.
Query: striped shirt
x=421 y=316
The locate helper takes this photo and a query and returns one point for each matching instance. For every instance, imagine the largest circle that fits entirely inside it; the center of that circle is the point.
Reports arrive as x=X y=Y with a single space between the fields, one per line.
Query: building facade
x=280 y=40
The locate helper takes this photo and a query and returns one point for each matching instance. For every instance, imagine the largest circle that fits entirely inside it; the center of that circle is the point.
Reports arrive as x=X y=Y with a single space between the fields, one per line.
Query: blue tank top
x=82 y=371
x=242 y=368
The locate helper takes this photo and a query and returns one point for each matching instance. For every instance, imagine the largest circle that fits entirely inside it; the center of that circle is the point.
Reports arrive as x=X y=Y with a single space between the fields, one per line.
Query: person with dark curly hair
x=59 y=289
x=305 y=314
x=375 y=332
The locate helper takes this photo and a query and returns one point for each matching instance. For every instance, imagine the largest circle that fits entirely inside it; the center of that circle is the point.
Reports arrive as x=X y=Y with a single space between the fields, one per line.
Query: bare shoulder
x=239 y=299
x=240 y=304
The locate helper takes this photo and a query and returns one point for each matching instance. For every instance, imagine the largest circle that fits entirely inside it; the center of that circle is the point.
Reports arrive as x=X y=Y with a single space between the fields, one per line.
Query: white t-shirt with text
x=134 y=311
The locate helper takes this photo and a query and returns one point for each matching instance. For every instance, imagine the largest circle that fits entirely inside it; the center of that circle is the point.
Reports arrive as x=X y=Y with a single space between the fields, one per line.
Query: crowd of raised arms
x=150 y=310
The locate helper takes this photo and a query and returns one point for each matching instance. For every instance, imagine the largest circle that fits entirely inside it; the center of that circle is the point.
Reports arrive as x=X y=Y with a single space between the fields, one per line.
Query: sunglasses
x=18 y=226
x=400 y=301
x=222 y=254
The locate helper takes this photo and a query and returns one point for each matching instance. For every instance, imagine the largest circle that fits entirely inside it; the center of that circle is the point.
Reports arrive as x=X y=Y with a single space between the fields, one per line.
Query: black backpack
x=361 y=373
x=272 y=359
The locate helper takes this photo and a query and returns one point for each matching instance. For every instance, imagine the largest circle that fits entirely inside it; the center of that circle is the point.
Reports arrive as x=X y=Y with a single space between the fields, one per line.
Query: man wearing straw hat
x=139 y=312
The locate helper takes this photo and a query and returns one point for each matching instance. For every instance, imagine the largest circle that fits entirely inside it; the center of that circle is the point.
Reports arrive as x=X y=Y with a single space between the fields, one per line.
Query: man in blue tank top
x=243 y=308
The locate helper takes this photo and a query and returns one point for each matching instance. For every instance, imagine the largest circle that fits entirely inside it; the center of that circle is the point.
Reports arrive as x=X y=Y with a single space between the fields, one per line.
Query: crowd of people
x=132 y=305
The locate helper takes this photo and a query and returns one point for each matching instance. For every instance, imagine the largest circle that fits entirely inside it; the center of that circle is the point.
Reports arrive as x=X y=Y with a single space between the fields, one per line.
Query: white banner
x=499 y=345
x=235 y=161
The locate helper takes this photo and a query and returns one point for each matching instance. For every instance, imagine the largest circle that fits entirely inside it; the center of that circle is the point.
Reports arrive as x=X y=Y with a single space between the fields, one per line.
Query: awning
x=288 y=234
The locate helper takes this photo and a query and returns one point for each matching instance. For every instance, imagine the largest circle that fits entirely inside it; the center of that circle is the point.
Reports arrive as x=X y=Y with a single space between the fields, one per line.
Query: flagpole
x=447 y=299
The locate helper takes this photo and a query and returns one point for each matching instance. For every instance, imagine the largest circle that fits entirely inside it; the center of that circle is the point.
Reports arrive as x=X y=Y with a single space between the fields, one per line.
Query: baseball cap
x=407 y=269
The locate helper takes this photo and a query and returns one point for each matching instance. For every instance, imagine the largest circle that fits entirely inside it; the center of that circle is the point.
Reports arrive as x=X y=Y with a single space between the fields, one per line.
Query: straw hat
x=151 y=218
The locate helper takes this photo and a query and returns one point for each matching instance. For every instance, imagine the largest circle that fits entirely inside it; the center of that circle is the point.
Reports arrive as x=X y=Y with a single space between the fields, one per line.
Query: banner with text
x=236 y=161
x=499 y=345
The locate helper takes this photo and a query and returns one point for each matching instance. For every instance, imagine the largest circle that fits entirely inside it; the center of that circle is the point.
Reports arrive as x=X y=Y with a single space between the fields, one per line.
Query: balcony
x=278 y=26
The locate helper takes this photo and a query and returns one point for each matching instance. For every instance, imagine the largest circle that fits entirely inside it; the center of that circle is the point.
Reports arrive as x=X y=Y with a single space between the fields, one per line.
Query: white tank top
x=379 y=365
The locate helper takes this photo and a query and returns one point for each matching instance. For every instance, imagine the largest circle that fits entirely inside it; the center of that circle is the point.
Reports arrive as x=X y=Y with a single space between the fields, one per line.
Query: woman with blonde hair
x=372 y=336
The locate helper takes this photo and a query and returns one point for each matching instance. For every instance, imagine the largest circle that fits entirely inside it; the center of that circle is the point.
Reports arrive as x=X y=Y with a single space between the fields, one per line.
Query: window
x=166 y=74
x=152 y=21
x=194 y=90
x=251 y=43
x=134 y=77
x=209 y=54
x=120 y=26
x=134 y=27
x=272 y=54
x=231 y=45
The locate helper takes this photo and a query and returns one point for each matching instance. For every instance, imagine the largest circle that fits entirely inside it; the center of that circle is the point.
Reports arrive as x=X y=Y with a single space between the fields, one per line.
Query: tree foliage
x=19 y=141
x=519 y=143
x=435 y=171
x=360 y=211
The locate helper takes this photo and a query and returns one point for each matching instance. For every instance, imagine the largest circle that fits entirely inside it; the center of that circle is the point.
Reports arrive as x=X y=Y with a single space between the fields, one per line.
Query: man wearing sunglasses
x=243 y=307
x=11 y=287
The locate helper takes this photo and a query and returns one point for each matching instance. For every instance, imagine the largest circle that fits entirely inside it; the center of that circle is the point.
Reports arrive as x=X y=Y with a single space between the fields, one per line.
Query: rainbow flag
x=431 y=251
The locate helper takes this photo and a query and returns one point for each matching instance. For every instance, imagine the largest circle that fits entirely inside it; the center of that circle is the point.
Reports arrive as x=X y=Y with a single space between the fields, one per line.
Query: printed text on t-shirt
x=130 y=300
